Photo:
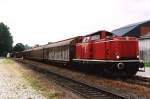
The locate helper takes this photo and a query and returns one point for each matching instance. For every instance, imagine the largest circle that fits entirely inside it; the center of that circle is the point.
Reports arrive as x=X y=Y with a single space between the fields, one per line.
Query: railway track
x=81 y=88
x=143 y=81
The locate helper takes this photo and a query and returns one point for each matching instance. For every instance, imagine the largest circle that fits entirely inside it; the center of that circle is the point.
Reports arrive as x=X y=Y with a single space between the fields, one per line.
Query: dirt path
x=13 y=86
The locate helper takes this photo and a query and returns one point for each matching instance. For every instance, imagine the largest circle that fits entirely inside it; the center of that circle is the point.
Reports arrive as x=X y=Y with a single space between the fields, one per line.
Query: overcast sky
x=41 y=21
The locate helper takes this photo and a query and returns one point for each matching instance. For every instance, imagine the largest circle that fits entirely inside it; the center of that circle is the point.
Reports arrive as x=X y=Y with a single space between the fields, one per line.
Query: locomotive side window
x=86 y=39
x=109 y=35
x=95 y=37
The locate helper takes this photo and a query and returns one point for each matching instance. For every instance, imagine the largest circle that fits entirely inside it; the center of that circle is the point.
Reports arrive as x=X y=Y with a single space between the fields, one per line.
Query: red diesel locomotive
x=117 y=56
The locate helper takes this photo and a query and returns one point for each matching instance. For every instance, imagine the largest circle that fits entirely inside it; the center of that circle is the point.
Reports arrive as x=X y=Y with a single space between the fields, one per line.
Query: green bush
x=147 y=64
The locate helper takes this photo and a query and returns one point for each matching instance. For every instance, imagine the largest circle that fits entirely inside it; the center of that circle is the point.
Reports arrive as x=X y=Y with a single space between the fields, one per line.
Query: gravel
x=115 y=85
x=14 y=86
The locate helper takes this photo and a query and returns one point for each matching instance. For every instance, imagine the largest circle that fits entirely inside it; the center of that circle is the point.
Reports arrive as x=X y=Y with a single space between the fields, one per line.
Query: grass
x=147 y=64
x=7 y=61
x=37 y=85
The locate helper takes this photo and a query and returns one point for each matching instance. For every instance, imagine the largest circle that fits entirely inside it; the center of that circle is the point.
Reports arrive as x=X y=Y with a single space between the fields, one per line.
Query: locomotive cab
x=86 y=49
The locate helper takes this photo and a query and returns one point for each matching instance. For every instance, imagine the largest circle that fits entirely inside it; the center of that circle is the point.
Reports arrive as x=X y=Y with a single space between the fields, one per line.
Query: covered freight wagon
x=62 y=51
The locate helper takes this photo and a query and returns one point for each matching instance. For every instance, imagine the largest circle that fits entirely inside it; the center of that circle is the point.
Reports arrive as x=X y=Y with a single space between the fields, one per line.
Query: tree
x=6 y=40
x=18 y=47
x=27 y=47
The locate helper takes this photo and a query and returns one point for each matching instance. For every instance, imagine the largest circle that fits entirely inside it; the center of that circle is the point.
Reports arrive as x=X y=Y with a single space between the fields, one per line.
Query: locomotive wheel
x=132 y=71
x=115 y=73
x=128 y=71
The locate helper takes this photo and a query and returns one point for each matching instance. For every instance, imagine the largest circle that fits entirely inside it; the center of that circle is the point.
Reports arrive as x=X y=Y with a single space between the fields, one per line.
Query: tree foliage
x=18 y=47
x=27 y=47
x=6 y=40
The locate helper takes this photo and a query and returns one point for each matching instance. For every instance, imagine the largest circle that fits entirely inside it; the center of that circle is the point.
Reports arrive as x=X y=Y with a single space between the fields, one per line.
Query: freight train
x=103 y=51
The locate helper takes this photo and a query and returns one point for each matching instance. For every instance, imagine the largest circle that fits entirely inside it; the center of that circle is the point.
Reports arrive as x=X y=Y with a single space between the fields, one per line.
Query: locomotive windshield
x=95 y=37
x=86 y=39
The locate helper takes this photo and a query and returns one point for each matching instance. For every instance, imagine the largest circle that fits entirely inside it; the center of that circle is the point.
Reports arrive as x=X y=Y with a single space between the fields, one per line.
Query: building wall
x=144 y=46
x=145 y=30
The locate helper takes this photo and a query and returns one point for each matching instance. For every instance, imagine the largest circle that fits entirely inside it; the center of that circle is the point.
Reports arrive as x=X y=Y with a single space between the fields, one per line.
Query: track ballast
x=81 y=88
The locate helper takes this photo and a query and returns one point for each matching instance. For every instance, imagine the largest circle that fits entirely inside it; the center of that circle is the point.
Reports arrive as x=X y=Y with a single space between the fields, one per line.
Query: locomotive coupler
x=142 y=69
x=141 y=66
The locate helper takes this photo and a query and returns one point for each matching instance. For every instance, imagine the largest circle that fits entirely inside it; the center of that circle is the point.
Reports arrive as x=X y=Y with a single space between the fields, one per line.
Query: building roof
x=126 y=29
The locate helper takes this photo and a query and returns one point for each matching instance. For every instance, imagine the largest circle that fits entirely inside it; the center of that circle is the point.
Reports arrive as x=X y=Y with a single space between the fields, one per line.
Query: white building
x=144 y=46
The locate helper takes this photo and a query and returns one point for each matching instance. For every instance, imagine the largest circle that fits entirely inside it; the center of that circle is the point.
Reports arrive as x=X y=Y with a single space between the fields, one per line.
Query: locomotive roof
x=98 y=32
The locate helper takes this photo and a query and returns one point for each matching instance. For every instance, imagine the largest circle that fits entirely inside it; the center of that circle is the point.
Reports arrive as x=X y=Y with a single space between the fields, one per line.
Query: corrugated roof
x=123 y=30
x=60 y=43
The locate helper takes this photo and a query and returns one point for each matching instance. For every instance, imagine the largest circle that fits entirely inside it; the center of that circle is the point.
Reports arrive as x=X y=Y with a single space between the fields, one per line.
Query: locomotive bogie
x=125 y=68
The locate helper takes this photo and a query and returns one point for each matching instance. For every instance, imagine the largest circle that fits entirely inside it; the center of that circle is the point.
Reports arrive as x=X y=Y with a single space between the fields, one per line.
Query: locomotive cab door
x=108 y=48
x=108 y=44
x=86 y=48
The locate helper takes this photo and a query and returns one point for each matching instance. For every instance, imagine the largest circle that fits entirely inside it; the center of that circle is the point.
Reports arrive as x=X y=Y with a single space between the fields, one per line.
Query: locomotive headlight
x=141 y=61
x=117 y=56
x=138 y=56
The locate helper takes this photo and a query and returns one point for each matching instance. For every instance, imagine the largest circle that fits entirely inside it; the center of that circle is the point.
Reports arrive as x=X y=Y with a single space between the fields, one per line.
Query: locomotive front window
x=86 y=39
x=95 y=37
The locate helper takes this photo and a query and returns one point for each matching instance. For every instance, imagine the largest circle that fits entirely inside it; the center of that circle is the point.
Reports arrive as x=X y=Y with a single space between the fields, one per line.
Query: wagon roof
x=27 y=50
x=61 y=43
x=36 y=48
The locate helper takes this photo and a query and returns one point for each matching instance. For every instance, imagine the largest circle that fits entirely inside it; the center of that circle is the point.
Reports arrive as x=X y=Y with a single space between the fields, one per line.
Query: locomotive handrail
x=107 y=60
